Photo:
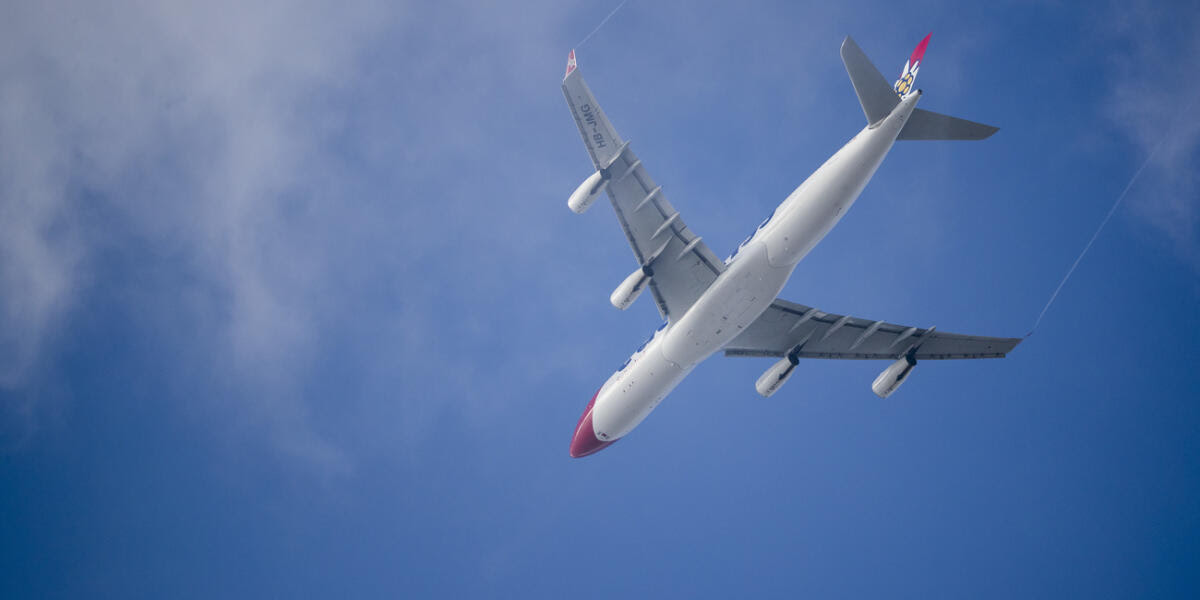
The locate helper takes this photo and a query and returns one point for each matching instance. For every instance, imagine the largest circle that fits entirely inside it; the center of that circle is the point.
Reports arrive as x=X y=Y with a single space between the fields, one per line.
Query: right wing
x=682 y=265
x=786 y=325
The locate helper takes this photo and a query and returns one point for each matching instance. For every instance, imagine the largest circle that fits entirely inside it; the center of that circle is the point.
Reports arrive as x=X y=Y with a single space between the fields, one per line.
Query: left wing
x=806 y=332
x=681 y=266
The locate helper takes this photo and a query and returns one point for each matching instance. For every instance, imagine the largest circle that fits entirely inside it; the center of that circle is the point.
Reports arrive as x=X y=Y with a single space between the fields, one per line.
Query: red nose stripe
x=585 y=442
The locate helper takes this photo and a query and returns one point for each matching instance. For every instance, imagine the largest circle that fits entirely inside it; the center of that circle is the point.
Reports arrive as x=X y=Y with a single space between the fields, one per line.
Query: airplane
x=733 y=305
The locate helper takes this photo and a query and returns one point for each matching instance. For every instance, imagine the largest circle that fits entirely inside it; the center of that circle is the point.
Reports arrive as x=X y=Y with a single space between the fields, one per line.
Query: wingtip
x=571 y=64
x=847 y=45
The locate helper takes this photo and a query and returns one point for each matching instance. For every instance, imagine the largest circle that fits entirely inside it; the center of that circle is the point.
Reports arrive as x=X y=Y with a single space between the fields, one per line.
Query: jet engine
x=891 y=378
x=583 y=196
x=631 y=288
x=776 y=376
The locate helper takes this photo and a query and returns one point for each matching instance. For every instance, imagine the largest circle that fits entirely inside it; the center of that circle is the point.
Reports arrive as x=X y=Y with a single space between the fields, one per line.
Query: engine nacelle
x=891 y=378
x=631 y=288
x=583 y=196
x=776 y=376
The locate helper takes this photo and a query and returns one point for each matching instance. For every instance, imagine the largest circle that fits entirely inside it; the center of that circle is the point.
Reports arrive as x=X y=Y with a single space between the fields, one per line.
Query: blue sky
x=291 y=304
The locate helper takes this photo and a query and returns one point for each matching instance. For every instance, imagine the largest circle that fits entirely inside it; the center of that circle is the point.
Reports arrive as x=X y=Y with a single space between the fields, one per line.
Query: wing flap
x=786 y=325
x=685 y=266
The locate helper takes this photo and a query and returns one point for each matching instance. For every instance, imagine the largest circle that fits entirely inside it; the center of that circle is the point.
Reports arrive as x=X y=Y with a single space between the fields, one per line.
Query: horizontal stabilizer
x=874 y=93
x=926 y=125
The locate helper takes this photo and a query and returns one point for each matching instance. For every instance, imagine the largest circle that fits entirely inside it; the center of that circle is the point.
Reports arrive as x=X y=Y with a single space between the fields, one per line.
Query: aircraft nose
x=585 y=442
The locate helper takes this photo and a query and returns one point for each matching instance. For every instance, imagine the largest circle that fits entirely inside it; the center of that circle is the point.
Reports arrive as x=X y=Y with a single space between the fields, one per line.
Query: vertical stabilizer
x=904 y=85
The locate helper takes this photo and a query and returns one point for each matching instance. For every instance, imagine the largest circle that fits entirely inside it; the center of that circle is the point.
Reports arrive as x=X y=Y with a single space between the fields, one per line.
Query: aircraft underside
x=710 y=305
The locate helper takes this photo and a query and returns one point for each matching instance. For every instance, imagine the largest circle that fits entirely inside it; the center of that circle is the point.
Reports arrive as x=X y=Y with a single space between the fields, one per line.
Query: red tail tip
x=919 y=51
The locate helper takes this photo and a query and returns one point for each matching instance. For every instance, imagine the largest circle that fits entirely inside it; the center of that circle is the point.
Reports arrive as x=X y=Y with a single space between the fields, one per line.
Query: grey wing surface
x=682 y=265
x=786 y=327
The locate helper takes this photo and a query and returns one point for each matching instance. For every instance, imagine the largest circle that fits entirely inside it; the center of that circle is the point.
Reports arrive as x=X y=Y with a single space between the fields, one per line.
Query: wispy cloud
x=290 y=174
x=1154 y=98
x=199 y=127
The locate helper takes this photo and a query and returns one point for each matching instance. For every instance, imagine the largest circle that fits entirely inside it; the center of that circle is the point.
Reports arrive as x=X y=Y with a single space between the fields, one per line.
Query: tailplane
x=928 y=125
x=876 y=96
x=878 y=99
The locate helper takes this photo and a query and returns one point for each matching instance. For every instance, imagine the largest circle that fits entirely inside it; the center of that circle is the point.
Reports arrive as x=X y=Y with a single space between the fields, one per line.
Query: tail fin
x=904 y=85
x=878 y=99
x=876 y=96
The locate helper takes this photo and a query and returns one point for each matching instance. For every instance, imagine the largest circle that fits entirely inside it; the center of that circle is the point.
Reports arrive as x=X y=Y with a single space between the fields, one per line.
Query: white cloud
x=229 y=142
x=39 y=247
x=1154 y=98
x=191 y=123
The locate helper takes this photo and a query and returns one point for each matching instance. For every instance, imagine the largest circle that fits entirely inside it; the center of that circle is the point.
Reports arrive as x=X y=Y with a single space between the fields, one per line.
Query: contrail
x=610 y=15
x=1112 y=210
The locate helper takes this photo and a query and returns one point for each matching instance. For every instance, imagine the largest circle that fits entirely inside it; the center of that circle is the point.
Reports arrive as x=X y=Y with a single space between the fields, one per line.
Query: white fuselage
x=752 y=280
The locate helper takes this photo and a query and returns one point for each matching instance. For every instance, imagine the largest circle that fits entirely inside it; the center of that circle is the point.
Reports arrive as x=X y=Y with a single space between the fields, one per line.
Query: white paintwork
x=895 y=374
x=773 y=378
x=587 y=192
x=749 y=284
x=629 y=290
x=631 y=393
